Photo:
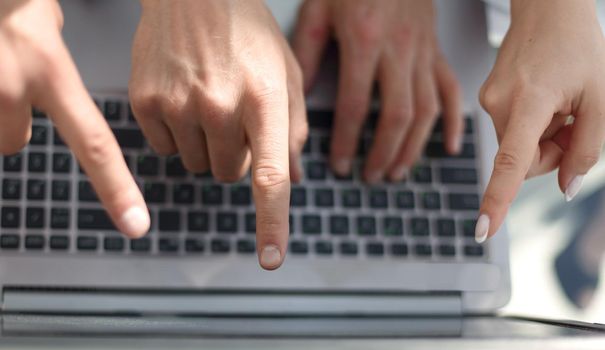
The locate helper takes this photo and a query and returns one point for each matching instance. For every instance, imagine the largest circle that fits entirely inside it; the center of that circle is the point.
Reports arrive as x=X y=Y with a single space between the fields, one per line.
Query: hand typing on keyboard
x=392 y=42
x=37 y=70
x=550 y=66
x=217 y=82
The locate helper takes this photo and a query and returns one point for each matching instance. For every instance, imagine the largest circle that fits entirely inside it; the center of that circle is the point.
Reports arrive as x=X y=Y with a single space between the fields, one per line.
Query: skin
x=216 y=81
x=550 y=66
x=392 y=42
x=37 y=70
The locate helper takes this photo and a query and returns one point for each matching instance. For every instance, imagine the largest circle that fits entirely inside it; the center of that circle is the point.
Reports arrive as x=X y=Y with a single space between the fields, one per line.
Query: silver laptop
x=394 y=249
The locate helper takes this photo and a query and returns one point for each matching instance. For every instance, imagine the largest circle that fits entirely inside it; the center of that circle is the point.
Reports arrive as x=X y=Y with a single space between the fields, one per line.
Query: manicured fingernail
x=575 y=185
x=270 y=257
x=342 y=166
x=375 y=176
x=399 y=173
x=482 y=228
x=135 y=221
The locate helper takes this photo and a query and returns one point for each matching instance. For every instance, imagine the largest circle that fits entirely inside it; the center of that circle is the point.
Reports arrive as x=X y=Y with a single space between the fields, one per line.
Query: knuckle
x=144 y=104
x=428 y=110
x=398 y=119
x=96 y=148
x=366 y=31
x=489 y=98
x=506 y=161
x=270 y=177
x=219 y=105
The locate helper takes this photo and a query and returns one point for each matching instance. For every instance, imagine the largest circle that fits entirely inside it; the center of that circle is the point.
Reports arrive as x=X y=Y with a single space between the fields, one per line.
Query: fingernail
x=342 y=166
x=574 y=187
x=375 y=176
x=482 y=228
x=399 y=173
x=135 y=221
x=270 y=257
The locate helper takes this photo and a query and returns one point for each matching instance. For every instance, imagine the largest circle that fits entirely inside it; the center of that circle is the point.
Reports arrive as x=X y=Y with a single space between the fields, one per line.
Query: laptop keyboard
x=49 y=207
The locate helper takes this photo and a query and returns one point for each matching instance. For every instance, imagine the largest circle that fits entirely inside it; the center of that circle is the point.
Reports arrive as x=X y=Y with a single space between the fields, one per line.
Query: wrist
x=558 y=8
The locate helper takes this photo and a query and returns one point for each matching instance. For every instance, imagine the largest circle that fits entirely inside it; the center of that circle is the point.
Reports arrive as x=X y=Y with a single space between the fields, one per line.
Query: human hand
x=392 y=42
x=217 y=82
x=550 y=66
x=37 y=70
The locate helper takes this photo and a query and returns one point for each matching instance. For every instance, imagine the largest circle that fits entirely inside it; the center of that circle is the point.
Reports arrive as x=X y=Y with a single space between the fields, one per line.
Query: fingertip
x=135 y=222
x=482 y=228
x=270 y=257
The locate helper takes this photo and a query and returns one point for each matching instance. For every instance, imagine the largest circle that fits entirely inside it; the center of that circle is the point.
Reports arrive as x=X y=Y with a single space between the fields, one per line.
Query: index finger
x=518 y=148
x=87 y=134
x=267 y=128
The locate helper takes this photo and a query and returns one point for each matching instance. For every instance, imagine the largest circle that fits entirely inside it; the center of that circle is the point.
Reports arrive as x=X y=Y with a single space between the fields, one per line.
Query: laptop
x=392 y=249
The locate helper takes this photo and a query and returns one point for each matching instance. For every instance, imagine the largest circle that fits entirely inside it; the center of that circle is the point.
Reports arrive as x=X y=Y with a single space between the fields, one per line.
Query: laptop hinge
x=230 y=303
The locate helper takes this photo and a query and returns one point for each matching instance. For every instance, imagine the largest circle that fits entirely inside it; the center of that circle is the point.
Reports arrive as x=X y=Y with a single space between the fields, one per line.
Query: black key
x=463 y=201
x=220 y=246
x=34 y=242
x=250 y=222
x=59 y=218
x=311 y=224
x=324 y=198
x=13 y=163
x=468 y=227
x=129 y=138
x=194 y=245
x=140 y=245
x=39 y=135
x=36 y=162
x=197 y=221
x=36 y=189
x=11 y=189
x=241 y=195
x=94 y=219
x=422 y=175
x=148 y=165
x=299 y=247
x=431 y=200
x=113 y=244
x=466 y=176
x=316 y=170
x=212 y=195
x=61 y=163
x=399 y=249
x=112 y=110
x=446 y=228
x=60 y=242
x=437 y=150
x=87 y=243
x=473 y=250
x=168 y=245
x=169 y=221
x=246 y=246
x=11 y=217
x=375 y=249
x=366 y=226
x=351 y=198
x=226 y=222
x=9 y=241
x=420 y=227
x=60 y=190
x=324 y=145
x=424 y=250
x=379 y=199
x=34 y=218
x=324 y=248
x=86 y=192
x=174 y=167
x=57 y=140
x=348 y=248
x=183 y=193
x=447 y=250
x=339 y=225
x=155 y=193
x=393 y=226
x=298 y=197
x=404 y=200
